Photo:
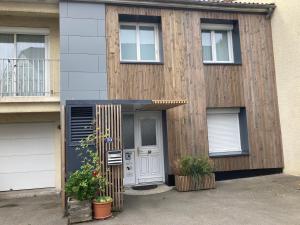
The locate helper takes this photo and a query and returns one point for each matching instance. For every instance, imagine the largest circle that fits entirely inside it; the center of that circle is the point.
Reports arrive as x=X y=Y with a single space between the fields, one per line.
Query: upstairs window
x=139 y=42
x=217 y=44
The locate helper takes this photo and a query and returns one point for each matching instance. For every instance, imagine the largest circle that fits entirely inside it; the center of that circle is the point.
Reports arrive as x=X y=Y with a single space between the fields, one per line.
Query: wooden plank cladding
x=108 y=120
x=182 y=75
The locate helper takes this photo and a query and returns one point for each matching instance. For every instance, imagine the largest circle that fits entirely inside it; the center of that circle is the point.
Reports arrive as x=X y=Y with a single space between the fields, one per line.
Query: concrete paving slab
x=266 y=200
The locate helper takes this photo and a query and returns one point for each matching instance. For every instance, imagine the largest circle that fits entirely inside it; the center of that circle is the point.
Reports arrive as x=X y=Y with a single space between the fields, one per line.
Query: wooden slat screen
x=108 y=119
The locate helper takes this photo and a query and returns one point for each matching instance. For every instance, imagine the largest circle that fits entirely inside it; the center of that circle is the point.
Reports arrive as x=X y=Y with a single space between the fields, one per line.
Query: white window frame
x=219 y=27
x=33 y=31
x=156 y=40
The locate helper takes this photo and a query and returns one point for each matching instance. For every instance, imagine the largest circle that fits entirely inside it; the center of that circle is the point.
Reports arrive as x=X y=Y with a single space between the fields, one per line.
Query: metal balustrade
x=27 y=77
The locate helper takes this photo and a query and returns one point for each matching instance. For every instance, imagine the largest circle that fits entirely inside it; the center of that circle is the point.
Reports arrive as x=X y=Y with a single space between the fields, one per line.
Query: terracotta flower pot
x=102 y=211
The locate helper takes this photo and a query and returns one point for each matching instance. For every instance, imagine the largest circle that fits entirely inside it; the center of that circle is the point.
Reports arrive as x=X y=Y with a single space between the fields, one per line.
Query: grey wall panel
x=81 y=95
x=102 y=63
x=63 y=9
x=83 y=27
x=64 y=77
x=87 y=81
x=93 y=45
x=83 y=51
x=64 y=44
x=94 y=12
x=80 y=63
x=101 y=27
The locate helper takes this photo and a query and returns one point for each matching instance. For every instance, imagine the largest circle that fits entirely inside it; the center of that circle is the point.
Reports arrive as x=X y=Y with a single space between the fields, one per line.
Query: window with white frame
x=217 y=44
x=224 y=131
x=139 y=42
x=23 y=61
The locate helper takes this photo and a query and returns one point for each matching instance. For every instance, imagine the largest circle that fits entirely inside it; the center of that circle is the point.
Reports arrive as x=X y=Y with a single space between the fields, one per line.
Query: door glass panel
x=128 y=131
x=128 y=42
x=147 y=43
x=30 y=65
x=148 y=132
x=7 y=51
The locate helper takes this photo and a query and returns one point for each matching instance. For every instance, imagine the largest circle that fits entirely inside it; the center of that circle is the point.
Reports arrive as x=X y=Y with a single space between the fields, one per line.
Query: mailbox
x=114 y=157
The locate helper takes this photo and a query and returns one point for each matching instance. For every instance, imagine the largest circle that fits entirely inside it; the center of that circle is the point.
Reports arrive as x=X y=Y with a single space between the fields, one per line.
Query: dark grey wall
x=83 y=51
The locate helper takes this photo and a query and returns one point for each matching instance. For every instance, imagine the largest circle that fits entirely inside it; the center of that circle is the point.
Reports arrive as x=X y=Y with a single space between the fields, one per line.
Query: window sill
x=142 y=63
x=222 y=63
x=228 y=154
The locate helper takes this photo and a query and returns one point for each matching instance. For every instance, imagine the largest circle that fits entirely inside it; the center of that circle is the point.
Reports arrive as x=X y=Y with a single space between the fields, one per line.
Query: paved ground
x=268 y=200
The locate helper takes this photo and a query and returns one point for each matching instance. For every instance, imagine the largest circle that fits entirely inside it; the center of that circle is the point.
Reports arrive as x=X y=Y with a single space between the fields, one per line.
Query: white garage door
x=26 y=156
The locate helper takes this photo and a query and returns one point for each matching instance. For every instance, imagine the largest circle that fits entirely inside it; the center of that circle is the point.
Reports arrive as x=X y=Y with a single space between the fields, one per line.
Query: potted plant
x=87 y=185
x=102 y=207
x=194 y=173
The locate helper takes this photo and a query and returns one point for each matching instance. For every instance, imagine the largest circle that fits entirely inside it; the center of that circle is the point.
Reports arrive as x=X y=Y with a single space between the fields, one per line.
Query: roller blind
x=223 y=130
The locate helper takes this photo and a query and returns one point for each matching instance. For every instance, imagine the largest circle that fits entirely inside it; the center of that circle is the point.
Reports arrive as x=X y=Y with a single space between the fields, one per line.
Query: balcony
x=29 y=85
x=27 y=77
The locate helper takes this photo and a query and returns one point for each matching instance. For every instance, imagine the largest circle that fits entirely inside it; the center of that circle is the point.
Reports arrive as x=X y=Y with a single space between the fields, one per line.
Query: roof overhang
x=132 y=105
x=195 y=5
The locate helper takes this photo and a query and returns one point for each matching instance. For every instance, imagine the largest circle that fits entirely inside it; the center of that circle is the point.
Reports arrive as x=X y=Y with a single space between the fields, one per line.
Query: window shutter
x=81 y=123
x=223 y=131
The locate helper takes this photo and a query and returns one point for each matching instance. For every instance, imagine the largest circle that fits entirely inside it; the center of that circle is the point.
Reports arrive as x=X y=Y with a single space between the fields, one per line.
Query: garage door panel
x=27 y=159
x=41 y=179
x=26 y=146
x=27 y=163
x=26 y=130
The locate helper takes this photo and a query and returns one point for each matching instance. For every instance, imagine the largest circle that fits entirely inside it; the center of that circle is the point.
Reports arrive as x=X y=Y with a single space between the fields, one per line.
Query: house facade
x=30 y=155
x=166 y=79
x=286 y=65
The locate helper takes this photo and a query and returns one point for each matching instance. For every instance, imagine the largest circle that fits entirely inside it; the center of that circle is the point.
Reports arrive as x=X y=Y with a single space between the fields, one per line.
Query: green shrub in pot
x=192 y=173
x=195 y=166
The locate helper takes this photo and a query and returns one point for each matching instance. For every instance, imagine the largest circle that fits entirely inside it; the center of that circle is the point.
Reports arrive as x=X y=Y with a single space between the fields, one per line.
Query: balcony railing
x=28 y=77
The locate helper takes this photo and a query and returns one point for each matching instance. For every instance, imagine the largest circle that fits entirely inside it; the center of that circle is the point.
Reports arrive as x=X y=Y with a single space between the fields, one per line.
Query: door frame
x=160 y=146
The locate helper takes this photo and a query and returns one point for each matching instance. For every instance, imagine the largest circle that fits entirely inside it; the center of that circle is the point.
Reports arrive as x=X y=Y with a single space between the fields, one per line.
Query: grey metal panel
x=103 y=94
x=64 y=44
x=87 y=81
x=74 y=26
x=101 y=28
x=79 y=63
x=89 y=45
x=87 y=10
x=102 y=63
x=82 y=95
x=63 y=9
x=83 y=51
x=64 y=81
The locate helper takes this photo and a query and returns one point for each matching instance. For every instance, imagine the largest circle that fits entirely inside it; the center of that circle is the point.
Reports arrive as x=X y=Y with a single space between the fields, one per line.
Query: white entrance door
x=27 y=156
x=148 y=136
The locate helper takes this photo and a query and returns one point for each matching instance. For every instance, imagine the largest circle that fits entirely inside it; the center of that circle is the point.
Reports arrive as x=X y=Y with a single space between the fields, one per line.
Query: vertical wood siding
x=108 y=121
x=183 y=76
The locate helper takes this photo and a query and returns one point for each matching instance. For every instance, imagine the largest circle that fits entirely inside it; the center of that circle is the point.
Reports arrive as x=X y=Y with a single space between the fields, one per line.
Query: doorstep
x=160 y=189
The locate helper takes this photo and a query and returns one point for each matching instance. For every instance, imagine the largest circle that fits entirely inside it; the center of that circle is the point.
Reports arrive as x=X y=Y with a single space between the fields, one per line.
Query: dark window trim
x=222 y=64
x=145 y=19
x=141 y=62
x=228 y=154
x=245 y=151
x=236 y=42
